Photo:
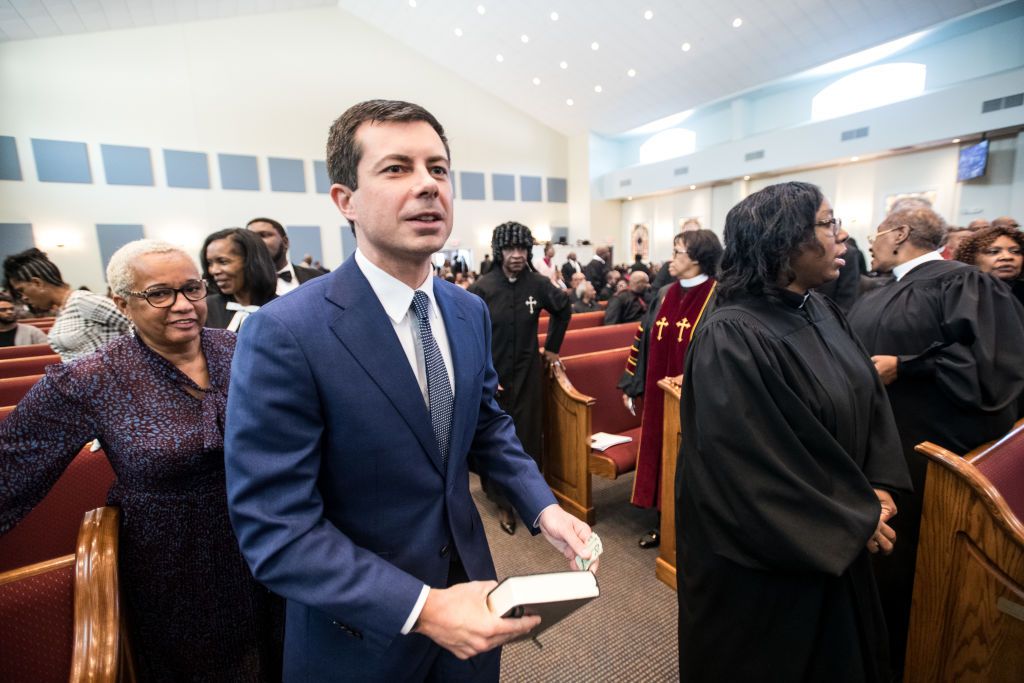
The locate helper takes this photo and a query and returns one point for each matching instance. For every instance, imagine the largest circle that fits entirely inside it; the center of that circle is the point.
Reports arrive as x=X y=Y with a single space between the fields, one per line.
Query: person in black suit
x=289 y=275
x=571 y=267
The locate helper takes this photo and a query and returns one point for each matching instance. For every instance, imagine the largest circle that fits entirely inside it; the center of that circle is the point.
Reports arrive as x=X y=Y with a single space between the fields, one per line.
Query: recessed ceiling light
x=648 y=15
x=746 y=177
x=458 y=32
x=854 y=158
x=412 y=3
x=536 y=81
x=598 y=88
x=595 y=46
x=685 y=47
x=737 y=22
x=956 y=140
x=569 y=102
x=554 y=16
x=564 y=65
x=631 y=73
x=525 y=38
x=480 y=9
x=499 y=57
x=693 y=187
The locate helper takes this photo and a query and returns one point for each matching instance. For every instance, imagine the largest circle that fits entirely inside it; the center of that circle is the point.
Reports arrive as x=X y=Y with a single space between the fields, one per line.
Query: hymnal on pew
x=602 y=441
x=553 y=596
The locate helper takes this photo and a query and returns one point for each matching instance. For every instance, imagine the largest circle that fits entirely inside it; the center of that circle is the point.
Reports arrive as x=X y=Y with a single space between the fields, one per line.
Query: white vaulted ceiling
x=776 y=39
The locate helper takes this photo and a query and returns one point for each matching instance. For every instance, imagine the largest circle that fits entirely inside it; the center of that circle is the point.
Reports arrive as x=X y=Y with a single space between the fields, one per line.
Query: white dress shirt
x=904 y=268
x=396 y=298
x=285 y=287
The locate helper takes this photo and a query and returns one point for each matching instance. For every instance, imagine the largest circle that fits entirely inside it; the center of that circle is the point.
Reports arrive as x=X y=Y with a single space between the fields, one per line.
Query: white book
x=553 y=596
x=602 y=441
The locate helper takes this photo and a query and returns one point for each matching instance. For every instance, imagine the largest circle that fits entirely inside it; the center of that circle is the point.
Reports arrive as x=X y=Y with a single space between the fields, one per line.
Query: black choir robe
x=786 y=431
x=515 y=308
x=958 y=335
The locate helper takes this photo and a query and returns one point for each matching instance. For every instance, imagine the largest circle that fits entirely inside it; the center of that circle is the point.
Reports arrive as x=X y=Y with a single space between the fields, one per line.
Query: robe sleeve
x=558 y=305
x=774 y=489
x=38 y=441
x=634 y=376
x=979 y=363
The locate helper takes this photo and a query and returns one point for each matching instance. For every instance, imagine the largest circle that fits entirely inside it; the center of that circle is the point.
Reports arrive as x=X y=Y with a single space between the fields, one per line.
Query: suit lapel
x=365 y=330
x=459 y=341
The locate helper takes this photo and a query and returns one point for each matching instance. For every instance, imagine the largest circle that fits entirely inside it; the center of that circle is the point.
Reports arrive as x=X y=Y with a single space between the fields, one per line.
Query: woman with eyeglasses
x=238 y=265
x=156 y=400
x=659 y=351
x=84 y=321
x=789 y=462
x=998 y=251
x=942 y=337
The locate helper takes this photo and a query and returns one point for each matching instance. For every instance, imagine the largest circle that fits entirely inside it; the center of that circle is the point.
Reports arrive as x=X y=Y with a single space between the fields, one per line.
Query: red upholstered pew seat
x=582 y=399
x=37 y=610
x=590 y=339
x=13 y=389
x=25 y=351
x=31 y=365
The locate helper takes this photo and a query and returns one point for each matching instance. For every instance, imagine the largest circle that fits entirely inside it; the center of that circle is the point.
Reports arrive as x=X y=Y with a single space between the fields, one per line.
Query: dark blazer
x=304 y=274
x=568 y=270
x=596 y=272
x=335 y=484
x=217 y=313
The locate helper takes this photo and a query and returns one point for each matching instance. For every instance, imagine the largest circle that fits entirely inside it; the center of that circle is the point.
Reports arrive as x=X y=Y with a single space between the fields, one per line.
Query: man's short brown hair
x=344 y=153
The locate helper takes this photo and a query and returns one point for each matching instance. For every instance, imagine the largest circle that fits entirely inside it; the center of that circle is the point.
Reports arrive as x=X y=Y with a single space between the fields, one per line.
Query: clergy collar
x=904 y=268
x=792 y=299
x=394 y=295
x=688 y=282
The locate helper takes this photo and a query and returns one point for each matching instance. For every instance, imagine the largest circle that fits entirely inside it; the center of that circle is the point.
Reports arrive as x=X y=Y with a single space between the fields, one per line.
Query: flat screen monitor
x=973 y=160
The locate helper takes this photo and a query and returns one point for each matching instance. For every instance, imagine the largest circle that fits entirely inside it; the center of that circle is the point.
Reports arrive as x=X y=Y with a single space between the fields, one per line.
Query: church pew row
x=13 y=389
x=590 y=339
x=577 y=322
x=967 y=614
x=20 y=367
x=582 y=399
x=25 y=351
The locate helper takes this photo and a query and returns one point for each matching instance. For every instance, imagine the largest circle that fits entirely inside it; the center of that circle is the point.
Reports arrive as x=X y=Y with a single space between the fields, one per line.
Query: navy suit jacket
x=335 y=483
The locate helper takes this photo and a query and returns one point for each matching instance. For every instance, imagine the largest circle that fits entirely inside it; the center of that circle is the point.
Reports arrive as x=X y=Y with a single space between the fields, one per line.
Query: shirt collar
x=904 y=268
x=288 y=269
x=599 y=258
x=394 y=295
x=688 y=282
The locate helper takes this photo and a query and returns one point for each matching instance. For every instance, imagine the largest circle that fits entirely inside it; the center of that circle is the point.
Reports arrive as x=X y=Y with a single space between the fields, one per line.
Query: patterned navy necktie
x=439 y=389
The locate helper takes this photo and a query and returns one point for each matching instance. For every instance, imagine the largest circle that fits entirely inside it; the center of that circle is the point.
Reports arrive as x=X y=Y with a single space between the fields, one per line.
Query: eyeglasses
x=679 y=252
x=834 y=224
x=872 y=238
x=164 y=297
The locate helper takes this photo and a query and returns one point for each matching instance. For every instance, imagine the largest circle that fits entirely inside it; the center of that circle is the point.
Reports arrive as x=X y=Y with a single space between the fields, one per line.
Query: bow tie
x=285 y=275
x=235 y=306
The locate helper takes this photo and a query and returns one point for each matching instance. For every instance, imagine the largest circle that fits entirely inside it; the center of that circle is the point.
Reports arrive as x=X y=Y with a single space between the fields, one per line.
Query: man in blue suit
x=354 y=404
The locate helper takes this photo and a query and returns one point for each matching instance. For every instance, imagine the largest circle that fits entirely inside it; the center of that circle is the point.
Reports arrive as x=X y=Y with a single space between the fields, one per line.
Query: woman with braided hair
x=515 y=296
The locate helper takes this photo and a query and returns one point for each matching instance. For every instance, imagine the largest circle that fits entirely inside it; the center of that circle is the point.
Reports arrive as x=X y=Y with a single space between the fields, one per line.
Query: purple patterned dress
x=194 y=611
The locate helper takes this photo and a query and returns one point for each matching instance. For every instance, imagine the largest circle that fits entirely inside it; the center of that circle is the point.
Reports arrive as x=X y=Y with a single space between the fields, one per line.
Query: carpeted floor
x=627 y=634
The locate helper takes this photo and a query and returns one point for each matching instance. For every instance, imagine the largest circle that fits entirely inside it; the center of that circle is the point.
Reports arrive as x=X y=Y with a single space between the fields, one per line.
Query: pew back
x=32 y=365
x=590 y=339
x=25 y=351
x=578 y=321
x=13 y=389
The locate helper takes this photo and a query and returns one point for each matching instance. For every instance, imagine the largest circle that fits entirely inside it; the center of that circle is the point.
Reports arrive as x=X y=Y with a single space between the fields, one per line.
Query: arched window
x=868 y=88
x=668 y=144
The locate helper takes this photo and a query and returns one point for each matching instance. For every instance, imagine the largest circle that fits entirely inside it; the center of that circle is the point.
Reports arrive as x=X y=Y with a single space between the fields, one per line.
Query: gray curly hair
x=121 y=274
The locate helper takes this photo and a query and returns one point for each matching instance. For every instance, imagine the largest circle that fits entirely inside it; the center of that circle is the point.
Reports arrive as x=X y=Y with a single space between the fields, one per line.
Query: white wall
x=264 y=85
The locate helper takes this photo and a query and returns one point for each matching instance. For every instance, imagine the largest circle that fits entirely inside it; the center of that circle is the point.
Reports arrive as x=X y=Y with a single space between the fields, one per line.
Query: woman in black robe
x=945 y=339
x=788 y=462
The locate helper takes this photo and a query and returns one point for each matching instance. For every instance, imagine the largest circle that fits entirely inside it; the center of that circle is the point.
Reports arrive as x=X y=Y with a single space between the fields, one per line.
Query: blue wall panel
x=113 y=236
x=323 y=181
x=127 y=165
x=348 y=242
x=503 y=187
x=58 y=161
x=302 y=240
x=472 y=185
x=286 y=175
x=10 y=166
x=238 y=172
x=187 y=169
x=557 y=190
x=529 y=188
x=15 y=237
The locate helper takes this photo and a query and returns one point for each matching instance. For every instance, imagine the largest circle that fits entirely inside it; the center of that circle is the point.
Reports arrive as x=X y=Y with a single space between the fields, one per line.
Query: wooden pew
x=590 y=339
x=61 y=618
x=665 y=563
x=967 y=614
x=581 y=399
x=25 y=351
x=13 y=389
x=20 y=367
x=577 y=322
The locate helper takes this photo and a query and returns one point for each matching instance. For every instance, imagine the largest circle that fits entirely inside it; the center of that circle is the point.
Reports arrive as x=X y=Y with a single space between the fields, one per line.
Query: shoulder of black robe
x=963 y=333
x=776 y=490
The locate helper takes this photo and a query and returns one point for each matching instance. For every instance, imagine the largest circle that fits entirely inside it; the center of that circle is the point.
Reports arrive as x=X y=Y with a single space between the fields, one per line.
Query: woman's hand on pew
x=551 y=359
x=568 y=534
x=676 y=381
